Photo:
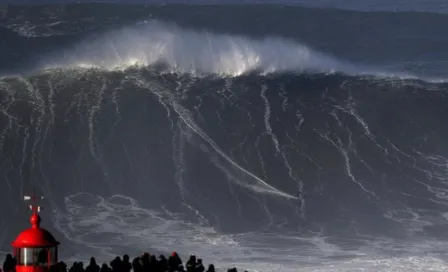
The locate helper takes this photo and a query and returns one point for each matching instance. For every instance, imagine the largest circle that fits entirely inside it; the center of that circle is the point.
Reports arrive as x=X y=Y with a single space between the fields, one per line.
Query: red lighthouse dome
x=35 y=248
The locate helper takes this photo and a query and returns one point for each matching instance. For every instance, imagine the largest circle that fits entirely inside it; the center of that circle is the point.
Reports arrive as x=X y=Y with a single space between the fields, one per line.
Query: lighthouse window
x=41 y=256
x=26 y=256
x=53 y=255
x=36 y=256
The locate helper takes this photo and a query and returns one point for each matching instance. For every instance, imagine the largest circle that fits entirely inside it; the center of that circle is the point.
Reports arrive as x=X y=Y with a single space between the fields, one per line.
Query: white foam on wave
x=187 y=51
x=203 y=53
x=106 y=227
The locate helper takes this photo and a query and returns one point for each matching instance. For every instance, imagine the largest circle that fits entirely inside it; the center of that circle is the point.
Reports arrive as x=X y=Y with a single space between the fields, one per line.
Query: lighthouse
x=35 y=249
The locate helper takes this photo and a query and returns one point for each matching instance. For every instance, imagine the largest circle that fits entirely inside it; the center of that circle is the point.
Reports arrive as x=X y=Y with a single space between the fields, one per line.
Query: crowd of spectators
x=144 y=263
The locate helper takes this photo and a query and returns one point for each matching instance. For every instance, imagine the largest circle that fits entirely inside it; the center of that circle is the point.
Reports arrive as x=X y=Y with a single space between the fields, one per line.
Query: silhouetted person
x=211 y=268
x=55 y=268
x=80 y=267
x=105 y=268
x=199 y=266
x=62 y=267
x=163 y=263
x=136 y=264
x=191 y=264
x=116 y=264
x=77 y=267
x=153 y=263
x=73 y=268
x=145 y=261
x=93 y=266
x=125 y=264
x=174 y=261
x=9 y=265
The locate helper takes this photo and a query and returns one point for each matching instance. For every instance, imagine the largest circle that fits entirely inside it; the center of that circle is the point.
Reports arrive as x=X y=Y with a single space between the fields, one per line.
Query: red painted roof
x=35 y=237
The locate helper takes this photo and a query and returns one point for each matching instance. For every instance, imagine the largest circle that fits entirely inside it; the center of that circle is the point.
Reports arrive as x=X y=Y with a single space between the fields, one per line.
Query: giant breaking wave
x=153 y=135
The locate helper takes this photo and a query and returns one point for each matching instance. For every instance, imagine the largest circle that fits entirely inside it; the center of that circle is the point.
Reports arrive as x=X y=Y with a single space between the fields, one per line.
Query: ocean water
x=263 y=136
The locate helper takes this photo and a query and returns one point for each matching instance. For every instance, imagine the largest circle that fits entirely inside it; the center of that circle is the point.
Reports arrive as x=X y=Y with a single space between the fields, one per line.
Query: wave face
x=260 y=151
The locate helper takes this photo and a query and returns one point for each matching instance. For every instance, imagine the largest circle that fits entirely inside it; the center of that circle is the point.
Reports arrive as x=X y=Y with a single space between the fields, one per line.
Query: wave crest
x=187 y=51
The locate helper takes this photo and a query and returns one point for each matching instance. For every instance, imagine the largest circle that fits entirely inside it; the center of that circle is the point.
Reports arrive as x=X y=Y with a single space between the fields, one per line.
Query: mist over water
x=264 y=153
x=187 y=51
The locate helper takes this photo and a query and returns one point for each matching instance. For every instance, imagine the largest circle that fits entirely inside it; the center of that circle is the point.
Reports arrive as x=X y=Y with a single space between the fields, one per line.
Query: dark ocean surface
x=270 y=137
